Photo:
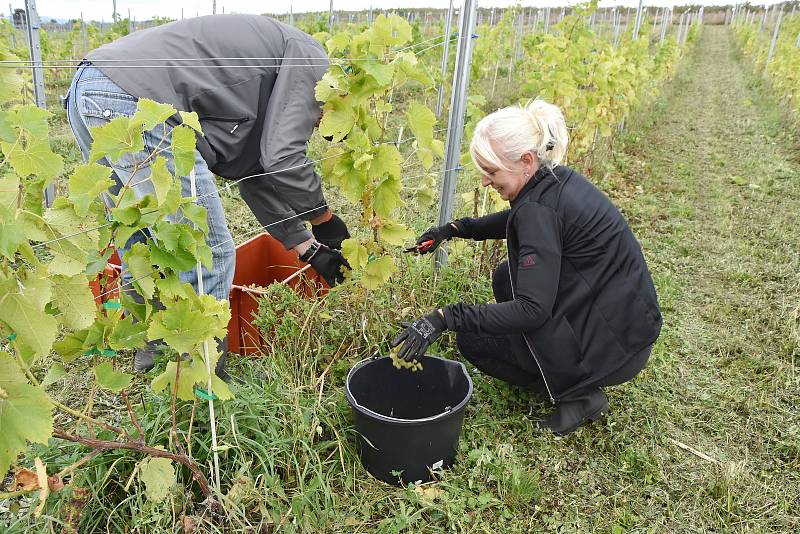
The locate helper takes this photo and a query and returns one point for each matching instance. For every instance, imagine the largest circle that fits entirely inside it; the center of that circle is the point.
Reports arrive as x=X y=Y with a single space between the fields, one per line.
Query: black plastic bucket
x=408 y=422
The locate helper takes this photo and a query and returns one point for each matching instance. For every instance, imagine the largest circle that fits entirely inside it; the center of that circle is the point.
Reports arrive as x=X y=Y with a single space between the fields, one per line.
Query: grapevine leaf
x=23 y=312
x=137 y=258
x=150 y=113
x=198 y=215
x=421 y=120
x=381 y=72
x=338 y=42
x=183 y=145
x=158 y=475
x=425 y=196
x=72 y=346
x=192 y=373
x=74 y=300
x=55 y=373
x=127 y=334
x=109 y=378
x=161 y=179
x=387 y=197
x=355 y=253
x=338 y=119
x=185 y=324
x=32 y=119
x=191 y=120
x=34 y=158
x=113 y=140
x=378 y=272
x=170 y=287
x=9 y=191
x=7 y=131
x=329 y=86
x=86 y=182
x=394 y=233
x=387 y=162
x=25 y=413
x=13 y=234
x=411 y=68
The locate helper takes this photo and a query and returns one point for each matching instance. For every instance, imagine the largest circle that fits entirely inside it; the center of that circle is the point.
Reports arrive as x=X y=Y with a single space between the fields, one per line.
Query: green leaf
x=387 y=197
x=32 y=119
x=55 y=373
x=9 y=191
x=421 y=120
x=8 y=133
x=387 y=162
x=150 y=113
x=128 y=334
x=183 y=145
x=378 y=272
x=118 y=137
x=13 y=234
x=23 y=312
x=192 y=373
x=161 y=179
x=198 y=215
x=329 y=86
x=34 y=157
x=74 y=299
x=72 y=346
x=185 y=324
x=190 y=120
x=137 y=258
x=381 y=72
x=338 y=42
x=25 y=413
x=355 y=253
x=158 y=476
x=338 y=119
x=128 y=215
x=109 y=378
x=411 y=68
x=394 y=233
x=86 y=183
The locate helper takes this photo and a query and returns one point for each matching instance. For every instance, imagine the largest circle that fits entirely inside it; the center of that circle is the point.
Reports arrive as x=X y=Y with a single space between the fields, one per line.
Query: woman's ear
x=530 y=163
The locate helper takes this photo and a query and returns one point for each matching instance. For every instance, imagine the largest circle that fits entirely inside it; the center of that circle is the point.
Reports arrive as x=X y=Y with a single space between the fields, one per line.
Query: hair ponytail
x=506 y=134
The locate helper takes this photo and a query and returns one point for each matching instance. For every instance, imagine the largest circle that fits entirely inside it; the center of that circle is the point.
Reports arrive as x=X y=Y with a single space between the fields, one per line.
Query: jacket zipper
x=533 y=352
x=236 y=122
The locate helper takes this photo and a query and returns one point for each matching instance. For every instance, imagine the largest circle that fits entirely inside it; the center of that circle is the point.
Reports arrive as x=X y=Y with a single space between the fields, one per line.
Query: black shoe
x=571 y=414
x=221 y=372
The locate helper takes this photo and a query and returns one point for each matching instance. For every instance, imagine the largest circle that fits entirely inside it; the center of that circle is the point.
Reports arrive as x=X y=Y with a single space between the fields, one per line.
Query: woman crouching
x=576 y=309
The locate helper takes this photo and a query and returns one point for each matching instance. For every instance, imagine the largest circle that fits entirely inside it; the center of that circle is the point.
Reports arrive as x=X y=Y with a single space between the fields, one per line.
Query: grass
x=709 y=179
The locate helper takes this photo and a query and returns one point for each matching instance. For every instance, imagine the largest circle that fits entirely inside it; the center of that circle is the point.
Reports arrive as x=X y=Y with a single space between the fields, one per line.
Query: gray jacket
x=251 y=81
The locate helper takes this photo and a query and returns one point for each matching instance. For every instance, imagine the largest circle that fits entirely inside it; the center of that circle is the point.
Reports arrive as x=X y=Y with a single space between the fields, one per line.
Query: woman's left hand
x=419 y=335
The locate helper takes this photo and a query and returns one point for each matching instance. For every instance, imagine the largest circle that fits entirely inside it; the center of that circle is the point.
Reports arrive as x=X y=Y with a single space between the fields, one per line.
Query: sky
x=145 y=9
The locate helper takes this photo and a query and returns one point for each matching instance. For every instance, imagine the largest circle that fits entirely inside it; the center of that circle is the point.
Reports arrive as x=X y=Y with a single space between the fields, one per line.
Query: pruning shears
x=419 y=248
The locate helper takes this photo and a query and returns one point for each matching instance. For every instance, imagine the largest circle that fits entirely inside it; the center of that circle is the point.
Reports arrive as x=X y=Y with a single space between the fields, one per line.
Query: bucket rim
x=397 y=420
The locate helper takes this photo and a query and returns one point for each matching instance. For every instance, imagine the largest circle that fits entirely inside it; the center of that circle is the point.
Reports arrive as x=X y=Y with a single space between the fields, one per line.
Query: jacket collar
x=541 y=175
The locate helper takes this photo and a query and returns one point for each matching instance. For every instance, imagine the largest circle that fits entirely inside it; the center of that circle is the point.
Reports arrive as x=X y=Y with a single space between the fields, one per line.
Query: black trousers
x=508 y=358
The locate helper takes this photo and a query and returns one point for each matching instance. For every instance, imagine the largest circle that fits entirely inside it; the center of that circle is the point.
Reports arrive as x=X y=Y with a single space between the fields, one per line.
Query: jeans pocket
x=98 y=108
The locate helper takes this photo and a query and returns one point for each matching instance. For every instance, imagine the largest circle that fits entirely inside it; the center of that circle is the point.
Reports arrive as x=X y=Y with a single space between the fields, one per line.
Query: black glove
x=419 y=335
x=327 y=262
x=438 y=234
x=331 y=233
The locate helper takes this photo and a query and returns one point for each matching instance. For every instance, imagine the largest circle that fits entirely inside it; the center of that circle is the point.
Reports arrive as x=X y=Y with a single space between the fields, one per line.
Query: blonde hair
x=505 y=135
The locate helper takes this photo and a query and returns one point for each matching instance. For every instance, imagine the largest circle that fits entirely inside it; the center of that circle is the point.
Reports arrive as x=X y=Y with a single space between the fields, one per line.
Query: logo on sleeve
x=527 y=261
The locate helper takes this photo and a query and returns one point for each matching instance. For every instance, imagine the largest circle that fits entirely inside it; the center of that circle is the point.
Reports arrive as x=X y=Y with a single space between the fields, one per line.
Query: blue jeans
x=94 y=100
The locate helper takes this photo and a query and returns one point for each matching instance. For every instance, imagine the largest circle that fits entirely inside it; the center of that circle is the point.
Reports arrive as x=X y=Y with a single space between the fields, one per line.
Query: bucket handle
x=447 y=409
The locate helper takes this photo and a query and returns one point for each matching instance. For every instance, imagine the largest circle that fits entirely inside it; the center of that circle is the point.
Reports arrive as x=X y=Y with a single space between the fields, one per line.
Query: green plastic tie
x=92 y=351
x=12 y=337
x=108 y=353
x=203 y=394
x=111 y=305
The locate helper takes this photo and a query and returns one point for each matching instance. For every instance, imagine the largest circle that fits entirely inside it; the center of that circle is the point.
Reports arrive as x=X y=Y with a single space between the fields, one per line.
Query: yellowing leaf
x=337 y=43
x=75 y=301
x=421 y=120
x=378 y=272
x=161 y=178
x=109 y=378
x=25 y=413
x=387 y=197
x=387 y=162
x=338 y=119
x=355 y=253
x=190 y=119
x=381 y=72
x=22 y=311
x=394 y=233
x=158 y=476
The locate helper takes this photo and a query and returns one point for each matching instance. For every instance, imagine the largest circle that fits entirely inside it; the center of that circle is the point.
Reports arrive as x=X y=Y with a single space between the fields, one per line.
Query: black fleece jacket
x=584 y=301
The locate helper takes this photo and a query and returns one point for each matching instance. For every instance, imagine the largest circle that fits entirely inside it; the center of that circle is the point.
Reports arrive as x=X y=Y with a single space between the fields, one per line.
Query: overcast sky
x=145 y=9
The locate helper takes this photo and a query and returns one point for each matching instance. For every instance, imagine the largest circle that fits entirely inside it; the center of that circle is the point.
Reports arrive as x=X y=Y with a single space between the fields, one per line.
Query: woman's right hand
x=435 y=236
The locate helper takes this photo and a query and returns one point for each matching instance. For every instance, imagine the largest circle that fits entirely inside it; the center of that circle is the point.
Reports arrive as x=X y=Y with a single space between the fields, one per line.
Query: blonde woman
x=576 y=309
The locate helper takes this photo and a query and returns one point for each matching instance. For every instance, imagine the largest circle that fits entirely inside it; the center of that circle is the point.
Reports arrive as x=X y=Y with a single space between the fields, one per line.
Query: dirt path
x=719 y=220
